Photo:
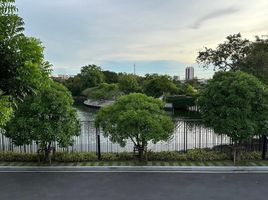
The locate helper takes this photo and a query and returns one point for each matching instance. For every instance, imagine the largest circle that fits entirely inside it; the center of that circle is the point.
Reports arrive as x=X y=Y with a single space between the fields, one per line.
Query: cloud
x=117 y=33
x=213 y=15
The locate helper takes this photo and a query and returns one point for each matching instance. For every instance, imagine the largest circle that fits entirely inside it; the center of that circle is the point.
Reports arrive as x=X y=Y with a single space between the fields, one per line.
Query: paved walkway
x=137 y=169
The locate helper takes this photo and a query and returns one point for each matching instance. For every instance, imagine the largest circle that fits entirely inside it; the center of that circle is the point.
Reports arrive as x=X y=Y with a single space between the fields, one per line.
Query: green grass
x=137 y=163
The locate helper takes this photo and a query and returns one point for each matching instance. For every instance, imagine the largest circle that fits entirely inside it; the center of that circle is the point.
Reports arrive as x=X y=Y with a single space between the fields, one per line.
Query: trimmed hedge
x=191 y=155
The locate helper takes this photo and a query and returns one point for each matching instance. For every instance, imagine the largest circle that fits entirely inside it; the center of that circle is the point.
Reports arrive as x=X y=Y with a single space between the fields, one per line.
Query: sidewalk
x=136 y=163
x=131 y=169
x=161 y=167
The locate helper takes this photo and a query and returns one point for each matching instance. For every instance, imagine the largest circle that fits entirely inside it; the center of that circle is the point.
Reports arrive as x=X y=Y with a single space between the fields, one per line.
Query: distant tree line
x=155 y=85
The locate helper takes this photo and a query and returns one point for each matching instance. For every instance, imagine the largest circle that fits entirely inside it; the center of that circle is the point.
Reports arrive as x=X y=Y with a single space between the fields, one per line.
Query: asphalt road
x=128 y=186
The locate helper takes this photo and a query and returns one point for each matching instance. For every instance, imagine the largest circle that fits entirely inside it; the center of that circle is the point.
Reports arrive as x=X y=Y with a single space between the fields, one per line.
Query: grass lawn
x=136 y=163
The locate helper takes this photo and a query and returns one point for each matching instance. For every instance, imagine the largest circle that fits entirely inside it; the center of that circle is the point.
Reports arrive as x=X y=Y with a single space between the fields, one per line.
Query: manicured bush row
x=14 y=156
x=191 y=155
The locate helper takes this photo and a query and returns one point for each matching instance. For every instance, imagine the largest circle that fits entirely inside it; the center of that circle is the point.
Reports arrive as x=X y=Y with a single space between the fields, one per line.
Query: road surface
x=132 y=186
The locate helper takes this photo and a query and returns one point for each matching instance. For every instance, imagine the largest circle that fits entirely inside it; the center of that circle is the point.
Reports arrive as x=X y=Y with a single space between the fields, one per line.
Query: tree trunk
x=141 y=151
x=47 y=153
x=264 y=147
x=236 y=152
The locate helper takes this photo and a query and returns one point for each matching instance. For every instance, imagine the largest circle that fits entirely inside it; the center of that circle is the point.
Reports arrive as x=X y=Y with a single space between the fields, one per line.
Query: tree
x=136 y=117
x=128 y=83
x=74 y=84
x=110 y=77
x=6 y=110
x=91 y=76
x=157 y=86
x=104 y=91
x=235 y=104
x=22 y=65
x=189 y=90
x=240 y=54
x=227 y=56
x=256 y=62
x=45 y=118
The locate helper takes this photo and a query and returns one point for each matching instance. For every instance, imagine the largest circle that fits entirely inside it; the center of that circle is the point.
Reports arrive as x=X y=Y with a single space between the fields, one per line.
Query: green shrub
x=166 y=156
x=75 y=157
x=254 y=155
x=125 y=156
x=109 y=156
x=14 y=156
x=181 y=101
x=191 y=155
x=205 y=155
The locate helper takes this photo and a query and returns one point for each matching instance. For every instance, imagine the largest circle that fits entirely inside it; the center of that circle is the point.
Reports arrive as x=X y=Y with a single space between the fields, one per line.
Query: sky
x=158 y=36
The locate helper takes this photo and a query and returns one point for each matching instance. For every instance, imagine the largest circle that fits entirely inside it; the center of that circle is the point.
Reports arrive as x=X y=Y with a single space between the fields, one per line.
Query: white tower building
x=189 y=73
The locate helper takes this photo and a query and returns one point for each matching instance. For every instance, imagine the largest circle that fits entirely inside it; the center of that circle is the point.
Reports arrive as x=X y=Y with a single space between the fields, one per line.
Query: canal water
x=189 y=133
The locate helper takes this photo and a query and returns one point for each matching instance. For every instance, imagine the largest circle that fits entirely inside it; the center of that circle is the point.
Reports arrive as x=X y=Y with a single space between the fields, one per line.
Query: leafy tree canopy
x=91 y=76
x=136 y=117
x=74 y=84
x=256 y=62
x=104 y=91
x=110 y=77
x=157 y=86
x=227 y=56
x=22 y=66
x=6 y=110
x=44 y=118
x=128 y=83
x=235 y=104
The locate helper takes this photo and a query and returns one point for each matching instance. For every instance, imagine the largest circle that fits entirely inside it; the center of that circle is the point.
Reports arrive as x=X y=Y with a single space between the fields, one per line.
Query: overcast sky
x=162 y=36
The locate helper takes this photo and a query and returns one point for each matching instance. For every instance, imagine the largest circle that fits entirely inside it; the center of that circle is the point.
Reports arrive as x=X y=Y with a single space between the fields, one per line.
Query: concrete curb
x=148 y=169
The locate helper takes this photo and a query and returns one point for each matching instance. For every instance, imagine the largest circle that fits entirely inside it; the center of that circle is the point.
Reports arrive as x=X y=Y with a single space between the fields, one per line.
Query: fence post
x=98 y=143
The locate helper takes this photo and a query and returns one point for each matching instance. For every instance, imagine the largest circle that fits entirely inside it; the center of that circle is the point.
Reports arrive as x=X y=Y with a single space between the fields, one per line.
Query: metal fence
x=188 y=134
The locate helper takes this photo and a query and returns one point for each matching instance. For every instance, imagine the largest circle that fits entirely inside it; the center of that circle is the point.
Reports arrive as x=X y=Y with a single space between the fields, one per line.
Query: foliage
x=256 y=62
x=157 y=86
x=189 y=90
x=181 y=101
x=91 y=76
x=136 y=117
x=166 y=156
x=234 y=103
x=44 y=118
x=6 y=109
x=254 y=155
x=104 y=91
x=75 y=157
x=205 y=155
x=15 y=156
x=22 y=65
x=128 y=83
x=190 y=155
x=110 y=77
x=74 y=84
x=227 y=56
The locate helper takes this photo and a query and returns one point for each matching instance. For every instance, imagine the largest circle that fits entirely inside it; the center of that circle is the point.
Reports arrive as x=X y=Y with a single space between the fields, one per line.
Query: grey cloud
x=215 y=14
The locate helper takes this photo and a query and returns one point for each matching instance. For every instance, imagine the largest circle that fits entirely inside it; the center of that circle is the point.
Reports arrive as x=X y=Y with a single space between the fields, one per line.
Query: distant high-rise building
x=189 y=73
